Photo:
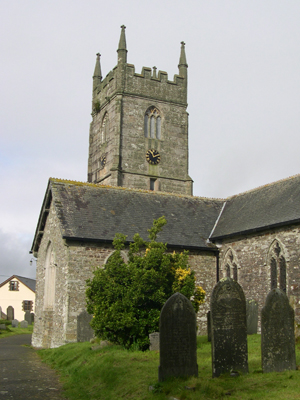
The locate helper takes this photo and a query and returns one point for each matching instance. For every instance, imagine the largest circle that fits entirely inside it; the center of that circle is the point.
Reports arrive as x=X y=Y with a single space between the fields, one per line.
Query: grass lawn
x=13 y=331
x=113 y=373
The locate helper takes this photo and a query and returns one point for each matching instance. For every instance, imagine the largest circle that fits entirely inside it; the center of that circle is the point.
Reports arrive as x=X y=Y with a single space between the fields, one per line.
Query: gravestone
x=2 y=327
x=23 y=324
x=208 y=327
x=28 y=317
x=154 y=341
x=252 y=316
x=228 y=328
x=277 y=333
x=178 y=340
x=14 y=323
x=84 y=330
x=32 y=317
x=10 y=312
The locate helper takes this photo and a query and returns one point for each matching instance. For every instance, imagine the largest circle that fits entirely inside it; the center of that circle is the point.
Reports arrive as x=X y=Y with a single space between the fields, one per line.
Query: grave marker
x=23 y=324
x=28 y=317
x=10 y=312
x=277 y=333
x=208 y=327
x=228 y=328
x=252 y=316
x=84 y=330
x=14 y=323
x=178 y=340
x=154 y=341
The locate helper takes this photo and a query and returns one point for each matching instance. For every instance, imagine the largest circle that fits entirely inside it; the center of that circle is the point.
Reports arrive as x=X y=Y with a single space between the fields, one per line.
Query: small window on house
x=13 y=285
x=27 y=305
x=152 y=123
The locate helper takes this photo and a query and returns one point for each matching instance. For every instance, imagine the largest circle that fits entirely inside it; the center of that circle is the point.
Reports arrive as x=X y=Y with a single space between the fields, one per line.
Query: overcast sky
x=243 y=94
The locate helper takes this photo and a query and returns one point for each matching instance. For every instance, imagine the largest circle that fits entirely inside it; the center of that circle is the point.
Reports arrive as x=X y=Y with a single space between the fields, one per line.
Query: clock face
x=102 y=161
x=153 y=157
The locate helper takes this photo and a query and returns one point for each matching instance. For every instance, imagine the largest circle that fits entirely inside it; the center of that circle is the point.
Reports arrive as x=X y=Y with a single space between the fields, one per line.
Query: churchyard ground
x=115 y=373
x=9 y=331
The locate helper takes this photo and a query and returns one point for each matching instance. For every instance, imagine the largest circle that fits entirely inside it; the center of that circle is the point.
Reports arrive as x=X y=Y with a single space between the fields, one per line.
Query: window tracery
x=50 y=274
x=152 y=123
x=277 y=265
x=104 y=129
x=230 y=269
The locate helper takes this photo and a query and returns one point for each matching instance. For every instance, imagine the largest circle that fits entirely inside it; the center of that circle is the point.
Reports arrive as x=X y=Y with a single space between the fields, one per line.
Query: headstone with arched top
x=10 y=312
x=277 y=333
x=228 y=328
x=178 y=339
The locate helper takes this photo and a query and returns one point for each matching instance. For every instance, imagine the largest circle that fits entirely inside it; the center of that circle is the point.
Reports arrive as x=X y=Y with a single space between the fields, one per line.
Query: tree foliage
x=126 y=298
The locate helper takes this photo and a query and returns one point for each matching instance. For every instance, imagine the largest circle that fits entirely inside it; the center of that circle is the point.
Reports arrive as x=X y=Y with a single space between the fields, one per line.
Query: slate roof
x=268 y=206
x=95 y=213
x=30 y=283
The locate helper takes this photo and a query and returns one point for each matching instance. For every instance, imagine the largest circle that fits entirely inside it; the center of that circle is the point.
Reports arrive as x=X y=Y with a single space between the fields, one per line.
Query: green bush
x=126 y=298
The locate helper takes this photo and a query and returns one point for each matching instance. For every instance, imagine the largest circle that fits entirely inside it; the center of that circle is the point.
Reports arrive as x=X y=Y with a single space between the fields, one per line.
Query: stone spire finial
x=154 y=72
x=182 y=59
x=97 y=77
x=122 y=51
x=182 y=66
x=122 y=42
x=97 y=72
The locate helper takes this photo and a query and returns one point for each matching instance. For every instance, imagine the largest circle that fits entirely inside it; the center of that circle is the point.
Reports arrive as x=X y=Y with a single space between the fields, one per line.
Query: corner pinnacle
x=122 y=42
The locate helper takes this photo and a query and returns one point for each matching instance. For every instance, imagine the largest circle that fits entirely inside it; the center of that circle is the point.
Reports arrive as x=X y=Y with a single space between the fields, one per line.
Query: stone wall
x=205 y=266
x=74 y=263
x=124 y=145
x=49 y=324
x=252 y=253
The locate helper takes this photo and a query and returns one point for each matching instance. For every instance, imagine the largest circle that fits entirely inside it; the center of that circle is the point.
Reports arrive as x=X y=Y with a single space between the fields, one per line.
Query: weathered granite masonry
x=118 y=142
x=74 y=262
x=253 y=254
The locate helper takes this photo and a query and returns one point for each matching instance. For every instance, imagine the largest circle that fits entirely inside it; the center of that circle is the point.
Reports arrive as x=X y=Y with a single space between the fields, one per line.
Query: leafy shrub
x=126 y=298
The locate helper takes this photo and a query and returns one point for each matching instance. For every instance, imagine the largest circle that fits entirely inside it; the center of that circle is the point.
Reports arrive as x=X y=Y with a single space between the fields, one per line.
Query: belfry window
x=152 y=123
x=104 y=129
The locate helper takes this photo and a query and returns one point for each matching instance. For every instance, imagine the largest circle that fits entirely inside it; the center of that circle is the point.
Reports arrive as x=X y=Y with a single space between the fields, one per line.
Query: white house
x=18 y=292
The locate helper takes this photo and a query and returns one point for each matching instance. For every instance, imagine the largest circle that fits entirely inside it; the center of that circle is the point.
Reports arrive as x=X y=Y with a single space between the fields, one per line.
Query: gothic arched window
x=50 y=273
x=152 y=123
x=277 y=265
x=230 y=269
x=104 y=129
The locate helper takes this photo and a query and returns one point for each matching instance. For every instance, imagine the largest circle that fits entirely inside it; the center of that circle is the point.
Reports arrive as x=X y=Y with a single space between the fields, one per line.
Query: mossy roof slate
x=268 y=206
x=95 y=212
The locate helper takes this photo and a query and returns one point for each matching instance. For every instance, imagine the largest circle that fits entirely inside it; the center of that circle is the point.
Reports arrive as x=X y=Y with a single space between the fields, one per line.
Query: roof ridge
x=262 y=186
x=24 y=277
x=161 y=193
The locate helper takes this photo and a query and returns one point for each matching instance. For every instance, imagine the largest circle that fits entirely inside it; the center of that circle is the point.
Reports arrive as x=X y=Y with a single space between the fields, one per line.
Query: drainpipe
x=218 y=268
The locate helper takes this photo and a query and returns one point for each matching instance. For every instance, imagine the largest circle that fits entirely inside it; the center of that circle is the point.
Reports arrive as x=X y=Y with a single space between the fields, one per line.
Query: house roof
x=268 y=206
x=30 y=283
x=94 y=212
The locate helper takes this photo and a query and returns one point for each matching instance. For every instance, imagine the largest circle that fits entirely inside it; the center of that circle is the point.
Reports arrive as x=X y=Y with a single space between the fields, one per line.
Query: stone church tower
x=139 y=131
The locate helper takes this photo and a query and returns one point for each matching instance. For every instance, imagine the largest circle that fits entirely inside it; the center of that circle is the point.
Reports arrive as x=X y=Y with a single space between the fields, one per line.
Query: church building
x=137 y=172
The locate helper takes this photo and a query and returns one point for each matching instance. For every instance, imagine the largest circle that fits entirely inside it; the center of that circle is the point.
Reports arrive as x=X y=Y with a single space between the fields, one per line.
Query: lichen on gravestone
x=277 y=333
x=178 y=339
x=228 y=328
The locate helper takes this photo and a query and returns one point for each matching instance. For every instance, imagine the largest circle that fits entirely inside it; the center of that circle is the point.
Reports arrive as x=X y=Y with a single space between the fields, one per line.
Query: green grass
x=9 y=331
x=113 y=373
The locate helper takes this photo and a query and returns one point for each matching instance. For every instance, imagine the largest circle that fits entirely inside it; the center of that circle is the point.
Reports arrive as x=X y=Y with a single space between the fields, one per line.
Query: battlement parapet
x=148 y=83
